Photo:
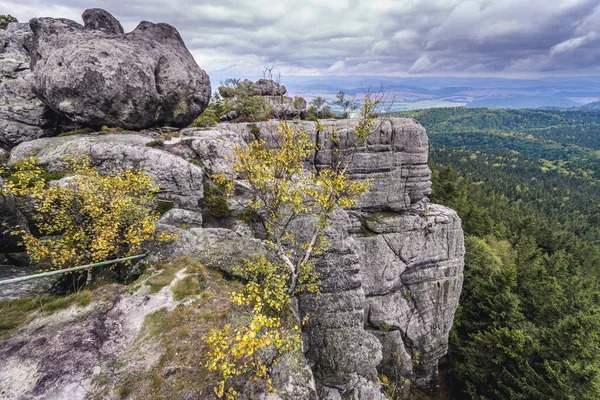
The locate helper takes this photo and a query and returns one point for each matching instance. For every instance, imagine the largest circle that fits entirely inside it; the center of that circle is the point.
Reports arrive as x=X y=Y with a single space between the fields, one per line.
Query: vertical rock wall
x=23 y=117
x=393 y=275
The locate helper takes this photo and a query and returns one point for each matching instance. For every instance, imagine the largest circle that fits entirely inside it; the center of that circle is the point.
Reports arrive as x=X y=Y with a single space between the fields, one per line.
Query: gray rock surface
x=395 y=158
x=343 y=355
x=182 y=218
x=96 y=19
x=23 y=117
x=412 y=274
x=283 y=107
x=95 y=75
x=215 y=150
x=268 y=87
x=179 y=180
x=399 y=281
x=218 y=248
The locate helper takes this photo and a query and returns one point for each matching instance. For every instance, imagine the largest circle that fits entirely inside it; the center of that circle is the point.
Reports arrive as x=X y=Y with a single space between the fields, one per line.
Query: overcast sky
x=512 y=38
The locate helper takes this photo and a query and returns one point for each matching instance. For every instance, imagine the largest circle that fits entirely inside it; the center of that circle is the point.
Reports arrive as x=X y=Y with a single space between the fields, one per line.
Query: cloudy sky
x=511 y=38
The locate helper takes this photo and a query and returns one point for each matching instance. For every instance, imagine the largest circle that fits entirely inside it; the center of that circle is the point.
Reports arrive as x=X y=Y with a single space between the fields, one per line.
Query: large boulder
x=180 y=182
x=23 y=117
x=96 y=75
x=268 y=87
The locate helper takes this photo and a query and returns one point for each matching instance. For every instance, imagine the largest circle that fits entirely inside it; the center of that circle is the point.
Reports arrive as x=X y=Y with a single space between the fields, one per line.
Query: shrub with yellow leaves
x=282 y=191
x=86 y=218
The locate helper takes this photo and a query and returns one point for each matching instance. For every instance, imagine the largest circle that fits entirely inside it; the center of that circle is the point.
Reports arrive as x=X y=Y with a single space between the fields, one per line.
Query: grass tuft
x=16 y=313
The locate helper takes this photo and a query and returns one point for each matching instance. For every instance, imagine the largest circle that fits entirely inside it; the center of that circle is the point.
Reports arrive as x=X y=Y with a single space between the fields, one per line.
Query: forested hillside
x=526 y=184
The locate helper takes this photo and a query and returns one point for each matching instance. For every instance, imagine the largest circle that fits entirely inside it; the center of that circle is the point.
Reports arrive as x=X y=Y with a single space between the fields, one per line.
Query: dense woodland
x=527 y=185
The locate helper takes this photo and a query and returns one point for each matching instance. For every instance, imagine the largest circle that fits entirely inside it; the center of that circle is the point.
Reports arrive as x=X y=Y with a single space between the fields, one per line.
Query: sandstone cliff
x=391 y=280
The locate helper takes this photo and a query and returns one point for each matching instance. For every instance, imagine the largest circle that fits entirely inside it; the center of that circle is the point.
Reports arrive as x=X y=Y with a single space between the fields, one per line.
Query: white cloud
x=573 y=44
x=423 y=64
x=337 y=66
x=375 y=37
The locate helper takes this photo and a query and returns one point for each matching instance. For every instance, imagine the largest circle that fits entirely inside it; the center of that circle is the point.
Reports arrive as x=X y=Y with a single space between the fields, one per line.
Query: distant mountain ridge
x=432 y=92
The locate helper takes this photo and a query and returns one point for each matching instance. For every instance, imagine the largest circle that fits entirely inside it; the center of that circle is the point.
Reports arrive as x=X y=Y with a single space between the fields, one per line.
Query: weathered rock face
x=285 y=107
x=268 y=87
x=217 y=248
x=412 y=277
x=393 y=272
x=23 y=117
x=395 y=158
x=179 y=180
x=343 y=355
x=95 y=75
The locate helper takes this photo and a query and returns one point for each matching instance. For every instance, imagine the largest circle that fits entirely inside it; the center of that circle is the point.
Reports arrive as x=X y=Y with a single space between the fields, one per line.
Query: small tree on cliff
x=318 y=103
x=90 y=218
x=5 y=20
x=282 y=191
x=345 y=102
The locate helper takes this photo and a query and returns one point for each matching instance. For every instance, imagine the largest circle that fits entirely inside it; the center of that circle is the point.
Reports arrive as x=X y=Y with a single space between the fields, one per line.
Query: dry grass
x=180 y=335
x=16 y=313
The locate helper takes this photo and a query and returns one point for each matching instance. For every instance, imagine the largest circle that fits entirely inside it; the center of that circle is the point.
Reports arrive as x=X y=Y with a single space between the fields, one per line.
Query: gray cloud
x=370 y=37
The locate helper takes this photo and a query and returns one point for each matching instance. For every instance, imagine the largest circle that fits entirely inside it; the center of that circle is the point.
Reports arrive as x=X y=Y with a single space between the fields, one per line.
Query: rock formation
x=56 y=74
x=272 y=93
x=95 y=75
x=391 y=279
x=268 y=87
x=23 y=117
x=180 y=182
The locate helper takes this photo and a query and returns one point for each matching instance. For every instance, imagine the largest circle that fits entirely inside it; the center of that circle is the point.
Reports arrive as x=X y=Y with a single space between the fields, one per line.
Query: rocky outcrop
x=391 y=278
x=180 y=182
x=218 y=248
x=23 y=117
x=393 y=275
x=268 y=87
x=95 y=75
x=412 y=266
x=285 y=107
x=395 y=158
x=272 y=93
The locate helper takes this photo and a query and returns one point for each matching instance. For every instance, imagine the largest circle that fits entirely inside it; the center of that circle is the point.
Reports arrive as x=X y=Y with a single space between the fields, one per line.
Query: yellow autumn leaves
x=283 y=188
x=252 y=348
x=87 y=217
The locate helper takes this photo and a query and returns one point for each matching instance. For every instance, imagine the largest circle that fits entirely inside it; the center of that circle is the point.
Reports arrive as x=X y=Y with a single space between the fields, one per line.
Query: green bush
x=243 y=98
x=226 y=92
x=155 y=143
x=255 y=131
x=83 y=131
x=299 y=103
x=5 y=20
x=215 y=205
x=207 y=119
